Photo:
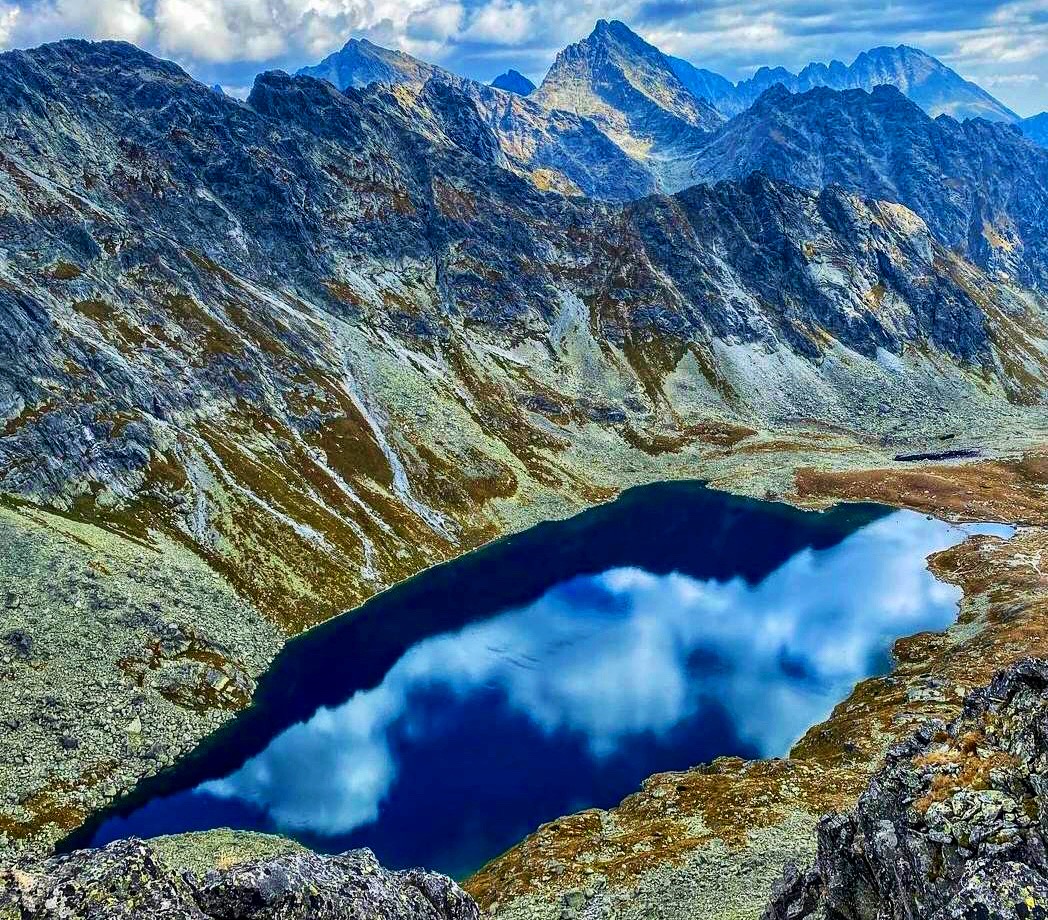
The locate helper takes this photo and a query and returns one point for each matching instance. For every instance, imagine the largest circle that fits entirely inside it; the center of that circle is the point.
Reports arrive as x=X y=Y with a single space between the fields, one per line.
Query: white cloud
x=1004 y=47
x=611 y=657
x=759 y=34
x=195 y=27
x=225 y=30
x=8 y=20
x=440 y=22
x=502 y=23
x=32 y=23
x=1010 y=79
x=1020 y=11
x=252 y=30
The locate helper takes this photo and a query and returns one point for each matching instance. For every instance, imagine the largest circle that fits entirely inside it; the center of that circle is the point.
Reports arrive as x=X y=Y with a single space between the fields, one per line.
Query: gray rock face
x=361 y=62
x=631 y=91
x=953 y=826
x=128 y=880
x=981 y=187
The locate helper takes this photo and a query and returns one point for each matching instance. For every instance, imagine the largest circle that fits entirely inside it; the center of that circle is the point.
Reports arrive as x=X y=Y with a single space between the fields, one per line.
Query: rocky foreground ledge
x=135 y=880
x=953 y=827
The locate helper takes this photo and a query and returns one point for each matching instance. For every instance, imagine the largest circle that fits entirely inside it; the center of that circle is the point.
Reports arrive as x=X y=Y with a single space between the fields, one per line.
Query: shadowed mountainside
x=981 y=187
x=1036 y=128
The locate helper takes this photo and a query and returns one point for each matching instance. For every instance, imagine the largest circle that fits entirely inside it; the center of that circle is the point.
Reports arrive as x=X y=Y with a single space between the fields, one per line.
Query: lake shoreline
x=718 y=836
x=748 y=479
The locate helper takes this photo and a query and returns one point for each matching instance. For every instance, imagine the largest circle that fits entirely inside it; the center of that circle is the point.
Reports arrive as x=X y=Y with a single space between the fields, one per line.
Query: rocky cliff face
x=631 y=91
x=981 y=187
x=922 y=78
x=131 y=880
x=953 y=826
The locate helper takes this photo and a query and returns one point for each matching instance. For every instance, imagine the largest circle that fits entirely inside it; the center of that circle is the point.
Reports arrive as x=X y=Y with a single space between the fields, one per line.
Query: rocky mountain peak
x=615 y=30
x=361 y=62
x=612 y=60
x=631 y=91
x=513 y=81
x=904 y=67
x=921 y=77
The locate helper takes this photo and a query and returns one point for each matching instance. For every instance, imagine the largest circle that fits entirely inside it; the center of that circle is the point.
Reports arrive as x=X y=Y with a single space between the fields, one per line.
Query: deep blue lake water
x=554 y=671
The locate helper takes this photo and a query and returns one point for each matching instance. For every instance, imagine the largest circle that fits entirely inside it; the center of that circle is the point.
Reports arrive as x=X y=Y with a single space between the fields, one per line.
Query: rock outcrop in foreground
x=953 y=826
x=129 y=880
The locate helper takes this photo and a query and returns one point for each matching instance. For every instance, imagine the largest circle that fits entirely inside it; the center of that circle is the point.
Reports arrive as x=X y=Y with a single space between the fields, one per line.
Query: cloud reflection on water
x=617 y=655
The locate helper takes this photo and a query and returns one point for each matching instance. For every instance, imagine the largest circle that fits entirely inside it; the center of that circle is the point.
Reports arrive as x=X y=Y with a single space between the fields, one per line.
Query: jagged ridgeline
x=328 y=338
x=616 y=118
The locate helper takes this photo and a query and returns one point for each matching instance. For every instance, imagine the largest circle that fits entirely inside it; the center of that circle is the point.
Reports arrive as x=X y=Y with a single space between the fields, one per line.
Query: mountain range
x=332 y=333
x=614 y=89
x=375 y=315
x=927 y=81
x=555 y=149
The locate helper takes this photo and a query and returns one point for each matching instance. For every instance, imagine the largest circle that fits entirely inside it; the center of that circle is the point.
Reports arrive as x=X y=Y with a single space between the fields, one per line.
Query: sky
x=1001 y=44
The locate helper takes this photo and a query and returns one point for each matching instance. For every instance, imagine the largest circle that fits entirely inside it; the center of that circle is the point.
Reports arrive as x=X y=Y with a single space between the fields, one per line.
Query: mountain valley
x=263 y=359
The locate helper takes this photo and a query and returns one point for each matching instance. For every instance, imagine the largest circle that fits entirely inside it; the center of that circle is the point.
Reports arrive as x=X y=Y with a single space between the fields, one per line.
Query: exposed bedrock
x=133 y=880
x=953 y=826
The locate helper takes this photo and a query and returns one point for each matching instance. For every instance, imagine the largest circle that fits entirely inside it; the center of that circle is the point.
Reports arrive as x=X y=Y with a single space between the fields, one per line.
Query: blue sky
x=1001 y=44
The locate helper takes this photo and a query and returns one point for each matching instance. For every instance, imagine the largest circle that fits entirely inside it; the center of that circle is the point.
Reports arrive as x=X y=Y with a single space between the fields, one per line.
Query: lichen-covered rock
x=954 y=825
x=123 y=881
x=128 y=880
